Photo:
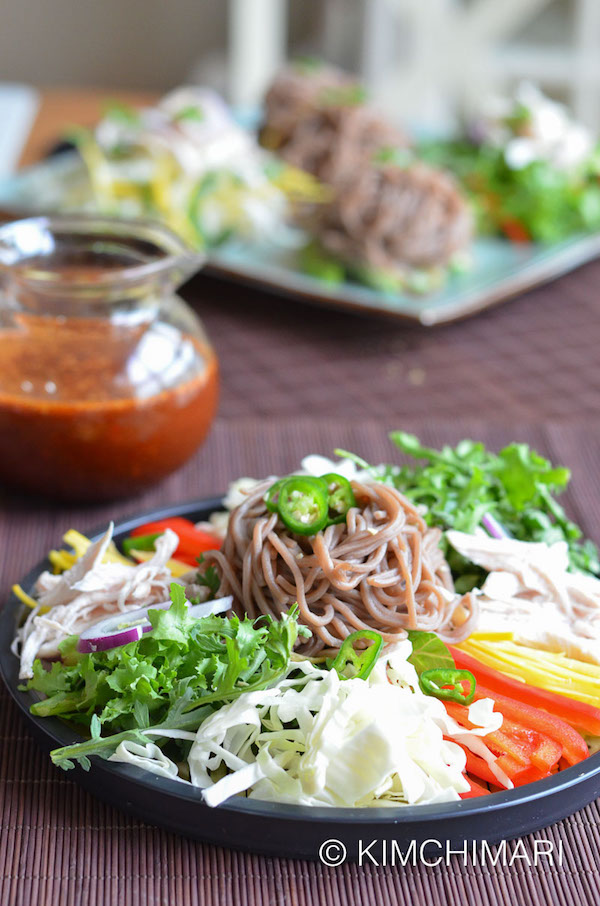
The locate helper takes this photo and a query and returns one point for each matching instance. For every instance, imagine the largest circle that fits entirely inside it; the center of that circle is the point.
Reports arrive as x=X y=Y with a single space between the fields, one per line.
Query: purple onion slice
x=122 y=628
x=493 y=527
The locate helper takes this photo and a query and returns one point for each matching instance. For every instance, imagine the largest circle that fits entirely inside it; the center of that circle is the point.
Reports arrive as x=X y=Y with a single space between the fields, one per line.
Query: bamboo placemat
x=533 y=358
x=60 y=845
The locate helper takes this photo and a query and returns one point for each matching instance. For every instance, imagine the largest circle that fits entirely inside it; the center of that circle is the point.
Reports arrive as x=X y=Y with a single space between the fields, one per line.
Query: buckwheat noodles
x=381 y=569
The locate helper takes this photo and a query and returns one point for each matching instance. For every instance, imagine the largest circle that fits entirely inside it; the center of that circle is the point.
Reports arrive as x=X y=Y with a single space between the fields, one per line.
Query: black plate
x=298 y=831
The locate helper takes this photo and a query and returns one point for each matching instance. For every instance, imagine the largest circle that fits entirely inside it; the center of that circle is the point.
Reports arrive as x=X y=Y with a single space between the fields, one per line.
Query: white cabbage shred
x=316 y=739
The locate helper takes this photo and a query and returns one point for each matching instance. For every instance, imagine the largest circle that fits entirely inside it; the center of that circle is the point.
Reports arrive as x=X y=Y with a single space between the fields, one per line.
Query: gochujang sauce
x=92 y=409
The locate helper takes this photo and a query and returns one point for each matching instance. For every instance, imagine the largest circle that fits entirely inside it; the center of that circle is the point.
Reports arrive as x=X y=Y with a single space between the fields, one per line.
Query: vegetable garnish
x=192 y=541
x=438 y=675
x=363 y=661
x=448 y=685
x=302 y=506
x=177 y=568
x=460 y=485
x=428 y=652
x=173 y=677
x=493 y=527
x=139 y=543
x=584 y=717
x=475 y=790
x=121 y=629
x=272 y=495
x=340 y=497
x=306 y=503
x=574 y=748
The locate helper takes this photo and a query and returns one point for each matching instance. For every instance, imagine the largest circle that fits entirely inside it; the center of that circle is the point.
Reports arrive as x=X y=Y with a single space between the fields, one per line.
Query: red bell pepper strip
x=514 y=230
x=500 y=741
x=580 y=715
x=574 y=747
x=478 y=767
x=530 y=775
x=518 y=774
x=523 y=746
x=192 y=542
x=475 y=790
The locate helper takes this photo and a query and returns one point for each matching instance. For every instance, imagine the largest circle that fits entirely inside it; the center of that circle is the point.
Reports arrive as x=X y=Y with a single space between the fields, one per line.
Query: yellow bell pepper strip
x=576 y=714
x=80 y=544
x=176 y=567
x=549 y=670
x=24 y=597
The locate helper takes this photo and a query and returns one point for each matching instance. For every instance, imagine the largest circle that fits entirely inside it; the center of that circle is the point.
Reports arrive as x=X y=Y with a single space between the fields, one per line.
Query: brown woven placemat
x=59 y=845
x=533 y=358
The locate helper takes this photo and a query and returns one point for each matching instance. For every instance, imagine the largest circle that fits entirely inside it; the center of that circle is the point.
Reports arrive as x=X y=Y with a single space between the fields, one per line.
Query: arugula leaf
x=457 y=485
x=429 y=652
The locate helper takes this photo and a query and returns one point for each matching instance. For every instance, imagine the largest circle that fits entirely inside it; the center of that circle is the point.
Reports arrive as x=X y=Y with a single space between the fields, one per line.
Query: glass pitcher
x=107 y=379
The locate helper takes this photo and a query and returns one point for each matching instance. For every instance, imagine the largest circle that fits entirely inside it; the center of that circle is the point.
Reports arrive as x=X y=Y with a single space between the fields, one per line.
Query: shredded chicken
x=89 y=591
x=530 y=591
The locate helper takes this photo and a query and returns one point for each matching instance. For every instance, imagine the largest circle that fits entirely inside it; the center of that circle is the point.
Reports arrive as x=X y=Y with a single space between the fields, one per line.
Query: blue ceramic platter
x=500 y=269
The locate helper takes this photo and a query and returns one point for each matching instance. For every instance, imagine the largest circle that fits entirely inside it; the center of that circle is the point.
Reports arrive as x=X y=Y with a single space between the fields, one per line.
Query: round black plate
x=299 y=831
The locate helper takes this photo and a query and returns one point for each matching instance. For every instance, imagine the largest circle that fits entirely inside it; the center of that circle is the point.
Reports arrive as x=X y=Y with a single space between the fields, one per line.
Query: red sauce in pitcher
x=100 y=410
x=107 y=379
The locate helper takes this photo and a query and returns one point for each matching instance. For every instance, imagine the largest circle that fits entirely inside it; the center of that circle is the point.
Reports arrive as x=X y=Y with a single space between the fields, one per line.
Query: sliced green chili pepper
x=271 y=498
x=447 y=684
x=302 y=505
x=340 y=496
x=363 y=660
x=139 y=543
x=272 y=495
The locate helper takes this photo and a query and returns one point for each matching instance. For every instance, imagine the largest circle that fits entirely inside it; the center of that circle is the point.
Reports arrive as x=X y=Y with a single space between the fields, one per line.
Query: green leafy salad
x=530 y=171
x=172 y=678
x=457 y=486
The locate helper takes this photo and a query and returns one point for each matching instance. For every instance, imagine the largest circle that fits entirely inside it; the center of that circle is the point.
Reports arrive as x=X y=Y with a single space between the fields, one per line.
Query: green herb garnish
x=191 y=113
x=173 y=677
x=457 y=485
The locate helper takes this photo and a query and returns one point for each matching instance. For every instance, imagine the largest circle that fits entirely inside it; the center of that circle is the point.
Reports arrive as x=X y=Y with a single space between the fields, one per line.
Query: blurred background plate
x=500 y=269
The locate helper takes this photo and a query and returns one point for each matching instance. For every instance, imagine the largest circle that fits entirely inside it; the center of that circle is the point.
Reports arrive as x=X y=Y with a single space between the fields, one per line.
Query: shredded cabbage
x=317 y=739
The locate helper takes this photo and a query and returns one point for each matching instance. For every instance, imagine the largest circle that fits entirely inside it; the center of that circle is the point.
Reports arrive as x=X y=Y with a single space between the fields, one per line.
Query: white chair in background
x=425 y=59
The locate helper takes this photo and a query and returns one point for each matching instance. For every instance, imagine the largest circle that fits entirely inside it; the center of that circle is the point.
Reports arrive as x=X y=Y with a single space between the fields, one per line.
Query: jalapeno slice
x=302 y=505
x=272 y=495
x=340 y=497
x=447 y=685
x=362 y=660
x=271 y=498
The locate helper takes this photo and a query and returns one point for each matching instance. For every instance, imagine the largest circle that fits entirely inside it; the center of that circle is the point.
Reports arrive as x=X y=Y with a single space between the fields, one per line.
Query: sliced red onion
x=493 y=527
x=122 y=628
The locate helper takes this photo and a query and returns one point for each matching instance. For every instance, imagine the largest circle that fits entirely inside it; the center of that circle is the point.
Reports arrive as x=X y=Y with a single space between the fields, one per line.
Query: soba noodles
x=381 y=569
